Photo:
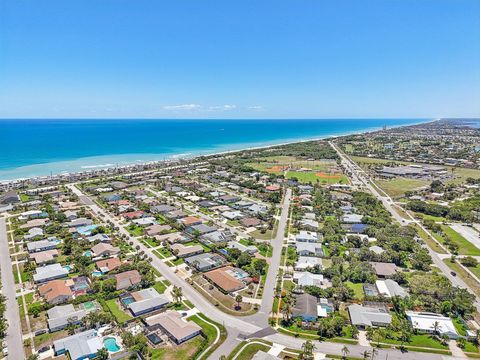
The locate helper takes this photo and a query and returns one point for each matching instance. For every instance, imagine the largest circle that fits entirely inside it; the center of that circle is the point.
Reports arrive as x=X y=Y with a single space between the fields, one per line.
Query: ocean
x=30 y=148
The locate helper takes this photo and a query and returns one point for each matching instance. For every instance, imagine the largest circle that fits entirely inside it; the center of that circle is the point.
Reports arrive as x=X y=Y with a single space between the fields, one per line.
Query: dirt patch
x=277 y=168
x=323 y=175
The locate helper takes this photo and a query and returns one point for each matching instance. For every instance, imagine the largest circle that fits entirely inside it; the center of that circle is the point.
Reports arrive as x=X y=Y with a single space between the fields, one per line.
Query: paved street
x=14 y=331
x=261 y=318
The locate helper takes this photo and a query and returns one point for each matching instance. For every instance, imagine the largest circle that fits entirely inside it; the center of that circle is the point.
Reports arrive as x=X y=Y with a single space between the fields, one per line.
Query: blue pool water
x=37 y=147
x=86 y=230
x=111 y=344
x=68 y=267
x=128 y=300
x=97 y=273
x=88 y=253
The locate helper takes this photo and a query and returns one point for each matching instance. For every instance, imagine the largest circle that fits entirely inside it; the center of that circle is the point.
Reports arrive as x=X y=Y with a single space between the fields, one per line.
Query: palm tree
x=102 y=354
x=238 y=299
x=307 y=350
x=177 y=293
x=286 y=311
x=345 y=352
x=436 y=328
x=366 y=355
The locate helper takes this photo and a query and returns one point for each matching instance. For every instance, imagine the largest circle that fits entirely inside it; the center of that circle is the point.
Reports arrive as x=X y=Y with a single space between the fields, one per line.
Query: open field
x=398 y=186
x=317 y=177
x=277 y=164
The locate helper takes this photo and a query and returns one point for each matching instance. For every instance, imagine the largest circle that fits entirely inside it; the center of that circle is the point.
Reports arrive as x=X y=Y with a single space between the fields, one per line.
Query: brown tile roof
x=53 y=289
x=128 y=279
x=189 y=220
x=223 y=280
x=109 y=264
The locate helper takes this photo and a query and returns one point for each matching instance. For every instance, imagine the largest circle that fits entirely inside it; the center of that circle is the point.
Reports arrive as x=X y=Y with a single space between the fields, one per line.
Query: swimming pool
x=88 y=253
x=97 y=273
x=86 y=230
x=127 y=300
x=68 y=267
x=110 y=344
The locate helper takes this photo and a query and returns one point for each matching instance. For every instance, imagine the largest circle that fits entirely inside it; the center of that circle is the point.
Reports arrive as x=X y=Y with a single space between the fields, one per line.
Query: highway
x=14 y=332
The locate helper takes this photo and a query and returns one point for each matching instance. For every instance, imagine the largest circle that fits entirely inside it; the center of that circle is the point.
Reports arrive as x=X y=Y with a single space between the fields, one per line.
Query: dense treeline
x=459 y=211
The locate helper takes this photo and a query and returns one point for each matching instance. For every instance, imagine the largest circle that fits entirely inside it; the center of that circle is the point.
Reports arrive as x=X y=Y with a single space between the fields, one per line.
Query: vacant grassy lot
x=278 y=164
x=469 y=280
x=317 y=177
x=357 y=288
x=120 y=315
x=398 y=186
x=464 y=246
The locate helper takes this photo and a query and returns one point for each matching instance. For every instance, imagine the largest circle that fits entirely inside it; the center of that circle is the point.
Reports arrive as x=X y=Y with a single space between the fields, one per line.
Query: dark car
x=453 y=273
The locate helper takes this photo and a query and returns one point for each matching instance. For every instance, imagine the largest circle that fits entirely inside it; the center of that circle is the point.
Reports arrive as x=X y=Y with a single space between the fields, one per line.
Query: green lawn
x=420 y=340
x=357 y=288
x=248 y=351
x=398 y=186
x=464 y=246
x=135 y=230
x=312 y=177
x=210 y=332
x=160 y=287
x=119 y=314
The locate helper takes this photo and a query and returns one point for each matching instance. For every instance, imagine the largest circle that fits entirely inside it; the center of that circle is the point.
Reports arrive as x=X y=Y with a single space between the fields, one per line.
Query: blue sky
x=239 y=58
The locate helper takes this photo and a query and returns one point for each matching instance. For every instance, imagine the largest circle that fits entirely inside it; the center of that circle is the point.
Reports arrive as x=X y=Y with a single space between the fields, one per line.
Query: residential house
x=305 y=262
x=390 y=288
x=430 y=322
x=309 y=224
x=157 y=229
x=42 y=245
x=55 y=292
x=108 y=265
x=171 y=322
x=200 y=229
x=84 y=345
x=206 y=261
x=49 y=272
x=190 y=221
x=182 y=251
x=105 y=249
x=363 y=316
x=305 y=307
x=307 y=236
x=10 y=197
x=384 y=270
x=128 y=279
x=61 y=316
x=228 y=279
x=249 y=249
x=250 y=222
x=306 y=278
x=44 y=257
x=217 y=237
x=172 y=238
x=309 y=249
x=146 y=301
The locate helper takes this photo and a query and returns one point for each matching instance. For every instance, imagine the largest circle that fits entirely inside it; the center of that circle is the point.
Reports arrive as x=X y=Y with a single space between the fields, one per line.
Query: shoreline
x=105 y=163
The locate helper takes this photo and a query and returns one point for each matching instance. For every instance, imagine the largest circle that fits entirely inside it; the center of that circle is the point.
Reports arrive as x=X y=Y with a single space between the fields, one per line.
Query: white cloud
x=255 y=107
x=226 y=107
x=182 y=107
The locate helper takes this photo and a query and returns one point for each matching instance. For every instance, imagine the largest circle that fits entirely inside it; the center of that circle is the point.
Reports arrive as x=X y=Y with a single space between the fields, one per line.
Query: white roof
x=425 y=321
